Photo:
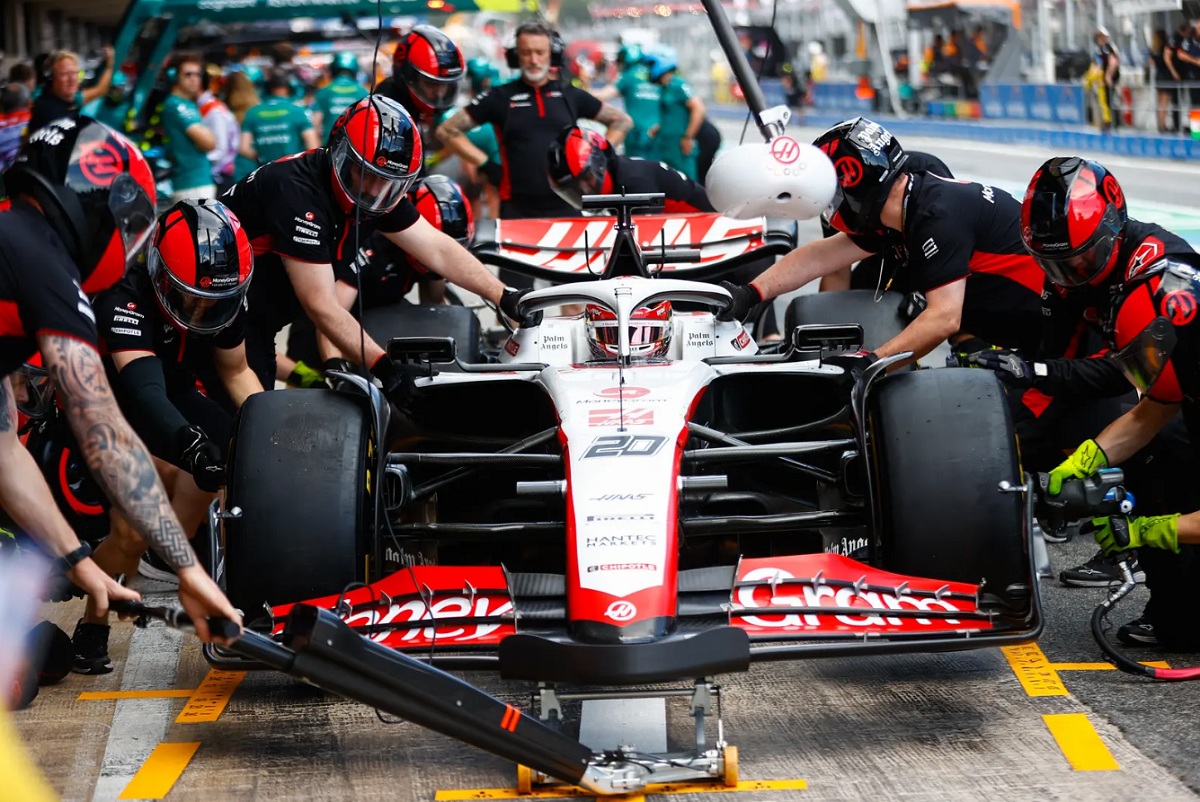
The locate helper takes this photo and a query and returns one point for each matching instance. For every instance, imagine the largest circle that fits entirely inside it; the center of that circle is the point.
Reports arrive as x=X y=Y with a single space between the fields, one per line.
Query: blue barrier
x=840 y=97
x=1058 y=103
x=1063 y=140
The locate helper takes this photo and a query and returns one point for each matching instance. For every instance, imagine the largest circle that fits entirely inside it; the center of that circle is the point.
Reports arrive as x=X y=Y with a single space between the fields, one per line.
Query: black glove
x=1010 y=367
x=745 y=298
x=510 y=301
x=398 y=381
x=202 y=458
x=855 y=364
x=493 y=172
x=912 y=305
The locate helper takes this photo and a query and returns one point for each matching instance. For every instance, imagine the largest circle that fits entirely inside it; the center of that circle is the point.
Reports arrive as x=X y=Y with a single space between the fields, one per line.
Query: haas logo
x=621 y=611
x=1180 y=307
x=849 y=171
x=785 y=149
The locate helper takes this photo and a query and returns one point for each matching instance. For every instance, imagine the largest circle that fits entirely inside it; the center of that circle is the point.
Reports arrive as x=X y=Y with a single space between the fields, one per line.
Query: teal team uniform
x=673 y=124
x=333 y=99
x=276 y=126
x=642 y=99
x=190 y=167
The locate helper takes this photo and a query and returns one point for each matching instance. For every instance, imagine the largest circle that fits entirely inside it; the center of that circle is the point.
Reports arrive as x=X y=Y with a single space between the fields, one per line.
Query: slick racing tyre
x=408 y=320
x=880 y=321
x=299 y=469
x=941 y=441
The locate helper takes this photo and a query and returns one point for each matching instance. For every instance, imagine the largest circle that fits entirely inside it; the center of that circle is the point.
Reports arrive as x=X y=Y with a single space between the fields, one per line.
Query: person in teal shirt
x=680 y=116
x=339 y=93
x=273 y=129
x=111 y=108
x=642 y=98
x=186 y=140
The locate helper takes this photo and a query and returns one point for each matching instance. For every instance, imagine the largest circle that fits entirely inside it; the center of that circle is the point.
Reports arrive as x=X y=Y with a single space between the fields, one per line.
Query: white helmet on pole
x=785 y=178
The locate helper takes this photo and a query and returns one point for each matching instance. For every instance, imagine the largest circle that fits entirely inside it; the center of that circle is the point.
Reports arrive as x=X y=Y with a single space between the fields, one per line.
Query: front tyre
x=300 y=470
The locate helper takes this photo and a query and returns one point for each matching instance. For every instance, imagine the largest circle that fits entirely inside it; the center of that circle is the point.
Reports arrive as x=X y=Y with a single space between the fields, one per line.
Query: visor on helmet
x=1080 y=266
x=649 y=332
x=374 y=191
x=572 y=188
x=191 y=308
x=133 y=211
x=1145 y=357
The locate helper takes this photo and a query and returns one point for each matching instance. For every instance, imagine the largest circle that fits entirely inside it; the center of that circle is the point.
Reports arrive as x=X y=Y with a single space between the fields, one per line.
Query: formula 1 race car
x=636 y=494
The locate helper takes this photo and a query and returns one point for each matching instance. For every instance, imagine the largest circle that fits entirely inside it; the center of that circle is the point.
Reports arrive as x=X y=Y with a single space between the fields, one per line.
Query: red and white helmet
x=426 y=69
x=649 y=331
x=375 y=152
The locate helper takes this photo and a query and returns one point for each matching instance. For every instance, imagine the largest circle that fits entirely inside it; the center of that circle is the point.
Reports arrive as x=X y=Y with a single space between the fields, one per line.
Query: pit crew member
x=426 y=69
x=333 y=98
x=1157 y=342
x=582 y=162
x=527 y=114
x=386 y=274
x=83 y=205
x=960 y=244
x=1076 y=224
x=301 y=214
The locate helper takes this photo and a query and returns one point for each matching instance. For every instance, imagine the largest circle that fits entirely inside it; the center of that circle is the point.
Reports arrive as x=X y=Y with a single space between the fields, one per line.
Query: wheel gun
x=1094 y=497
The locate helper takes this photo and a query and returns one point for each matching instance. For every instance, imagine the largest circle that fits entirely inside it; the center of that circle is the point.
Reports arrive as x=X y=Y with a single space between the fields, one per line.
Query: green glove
x=305 y=377
x=1152 y=531
x=1087 y=460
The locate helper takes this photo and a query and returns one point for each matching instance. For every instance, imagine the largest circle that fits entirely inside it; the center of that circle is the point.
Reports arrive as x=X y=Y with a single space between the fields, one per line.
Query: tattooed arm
x=116 y=457
x=27 y=499
x=119 y=462
x=619 y=123
x=450 y=134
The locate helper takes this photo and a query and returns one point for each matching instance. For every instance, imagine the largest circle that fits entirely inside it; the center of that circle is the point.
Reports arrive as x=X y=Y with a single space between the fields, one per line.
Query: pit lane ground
x=1034 y=724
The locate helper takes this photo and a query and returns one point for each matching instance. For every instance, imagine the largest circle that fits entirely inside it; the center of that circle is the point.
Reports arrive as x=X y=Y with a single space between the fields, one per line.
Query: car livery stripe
x=510 y=718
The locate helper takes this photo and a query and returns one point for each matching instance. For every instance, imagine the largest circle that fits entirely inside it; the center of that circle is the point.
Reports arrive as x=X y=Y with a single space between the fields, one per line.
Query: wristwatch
x=68 y=561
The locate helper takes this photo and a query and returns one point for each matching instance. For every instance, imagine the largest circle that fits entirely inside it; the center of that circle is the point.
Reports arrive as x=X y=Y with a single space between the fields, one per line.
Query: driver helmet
x=581 y=162
x=1156 y=333
x=96 y=191
x=200 y=263
x=649 y=331
x=1071 y=221
x=426 y=69
x=868 y=160
x=375 y=154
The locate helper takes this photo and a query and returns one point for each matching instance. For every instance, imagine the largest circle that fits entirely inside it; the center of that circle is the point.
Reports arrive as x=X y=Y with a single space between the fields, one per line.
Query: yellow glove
x=1087 y=461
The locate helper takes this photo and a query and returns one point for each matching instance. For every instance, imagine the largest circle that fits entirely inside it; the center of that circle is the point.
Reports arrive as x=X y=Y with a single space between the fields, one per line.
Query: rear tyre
x=941 y=441
x=881 y=321
x=408 y=320
x=299 y=469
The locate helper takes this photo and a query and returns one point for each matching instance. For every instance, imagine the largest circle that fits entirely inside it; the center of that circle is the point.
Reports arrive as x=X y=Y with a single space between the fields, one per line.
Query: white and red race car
x=613 y=520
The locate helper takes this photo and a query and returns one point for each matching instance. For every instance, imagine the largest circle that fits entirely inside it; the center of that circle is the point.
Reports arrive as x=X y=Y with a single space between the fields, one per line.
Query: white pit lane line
x=138 y=725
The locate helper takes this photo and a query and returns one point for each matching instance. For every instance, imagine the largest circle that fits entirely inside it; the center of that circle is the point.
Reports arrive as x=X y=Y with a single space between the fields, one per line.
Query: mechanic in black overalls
x=528 y=114
x=959 y=243
x=82 y=209
x=300 y=212
x=581 y=162
x=1156 y=337
x=1076 y=224
x=426 y=69
x=173 y=319
x=867 y=274
x=386 y=273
